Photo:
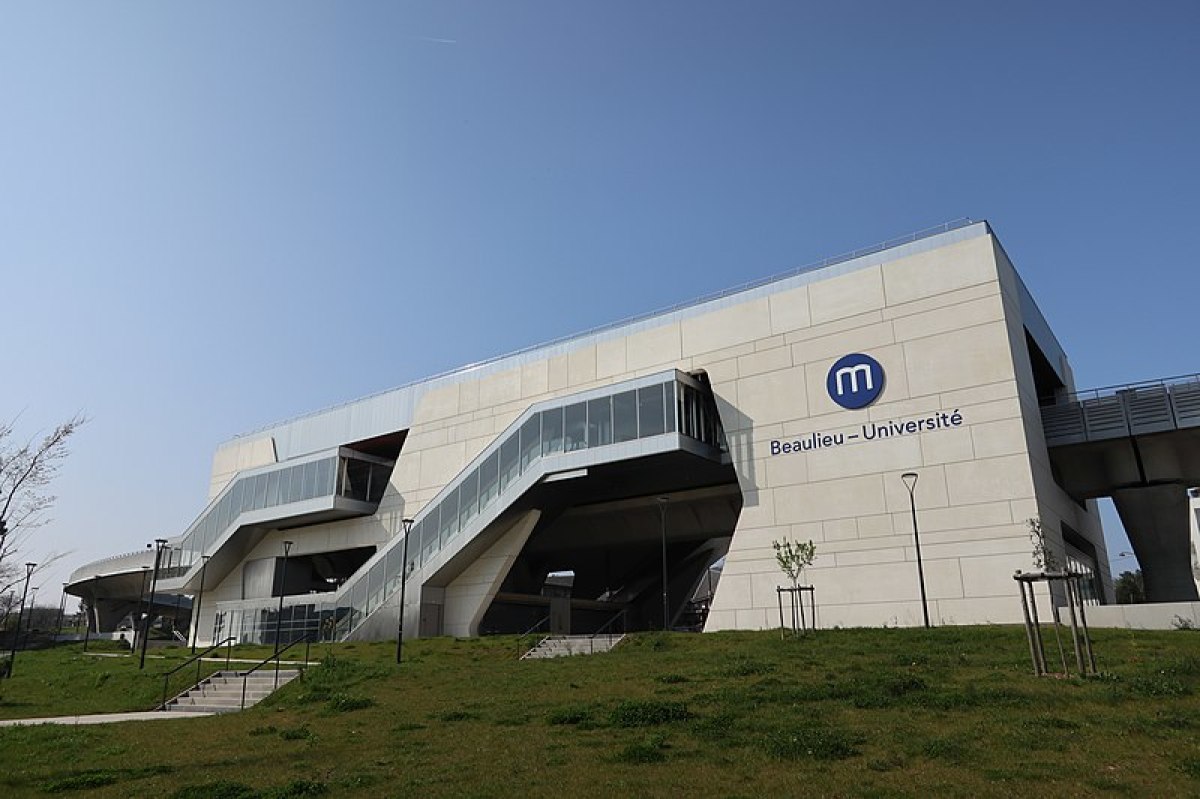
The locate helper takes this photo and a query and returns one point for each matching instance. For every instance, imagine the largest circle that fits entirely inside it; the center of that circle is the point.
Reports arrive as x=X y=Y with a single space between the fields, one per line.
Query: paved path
x=103 y=718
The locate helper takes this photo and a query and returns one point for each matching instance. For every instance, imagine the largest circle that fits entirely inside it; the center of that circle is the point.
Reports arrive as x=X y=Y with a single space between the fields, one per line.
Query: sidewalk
x=103 y=718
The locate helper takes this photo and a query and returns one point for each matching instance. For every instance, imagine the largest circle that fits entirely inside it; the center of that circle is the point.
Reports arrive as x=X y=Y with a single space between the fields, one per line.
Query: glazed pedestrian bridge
x=327 y=486
x=666 y=414
x=1139 y=444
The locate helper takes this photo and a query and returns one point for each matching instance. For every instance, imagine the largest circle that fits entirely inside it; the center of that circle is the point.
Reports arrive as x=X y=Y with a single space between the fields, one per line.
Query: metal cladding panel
x=373 y=416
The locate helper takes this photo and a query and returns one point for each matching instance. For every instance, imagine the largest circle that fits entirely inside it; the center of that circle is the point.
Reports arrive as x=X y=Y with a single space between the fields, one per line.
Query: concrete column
x=1156 y=520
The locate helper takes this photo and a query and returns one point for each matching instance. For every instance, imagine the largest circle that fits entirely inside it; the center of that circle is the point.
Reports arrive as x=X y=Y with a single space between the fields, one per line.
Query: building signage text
x=870 y=431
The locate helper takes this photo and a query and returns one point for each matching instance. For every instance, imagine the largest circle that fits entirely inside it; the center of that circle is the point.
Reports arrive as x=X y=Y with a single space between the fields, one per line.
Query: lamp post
x=32 y=608
x=62 y=605
x=158 y=550
x=662 y=526
x=910 y=482
x=199 y=601
x=287 y=548
x=408 y=523
x=87 y=619
x=12 y=656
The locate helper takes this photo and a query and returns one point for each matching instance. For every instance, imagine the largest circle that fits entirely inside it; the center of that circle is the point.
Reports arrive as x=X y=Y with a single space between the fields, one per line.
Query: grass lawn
x=946 y=712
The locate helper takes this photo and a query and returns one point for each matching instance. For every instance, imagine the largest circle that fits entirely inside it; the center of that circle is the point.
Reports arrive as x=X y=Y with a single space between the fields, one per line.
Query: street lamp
x=87 y=621
x=158 y=550
x=62 y=605
x=287 y=548
x=199 y=601
x=32 y=608
x=662 y=525
x=12 y=656
x=910 y=482
x=408 y=523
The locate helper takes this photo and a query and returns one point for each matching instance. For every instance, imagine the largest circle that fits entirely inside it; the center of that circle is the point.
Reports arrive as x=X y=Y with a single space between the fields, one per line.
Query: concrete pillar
x=1156 y=520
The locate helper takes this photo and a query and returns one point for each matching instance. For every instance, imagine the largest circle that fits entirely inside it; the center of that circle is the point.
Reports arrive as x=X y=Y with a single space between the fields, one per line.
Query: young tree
x=794 y=557
x=26 y=471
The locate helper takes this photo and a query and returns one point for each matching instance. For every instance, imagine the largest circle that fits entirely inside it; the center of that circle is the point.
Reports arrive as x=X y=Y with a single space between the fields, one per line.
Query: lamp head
x=287 y=547
x=408 y=523
x=910 y=479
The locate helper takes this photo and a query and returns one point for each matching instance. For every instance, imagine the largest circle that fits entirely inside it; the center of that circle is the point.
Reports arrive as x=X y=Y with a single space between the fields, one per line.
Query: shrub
x=819 y=743
x=648 y=713
x=649 y=750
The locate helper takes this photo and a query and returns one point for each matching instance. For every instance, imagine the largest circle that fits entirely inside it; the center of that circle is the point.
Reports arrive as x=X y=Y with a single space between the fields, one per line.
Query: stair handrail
x=621 y=614
x=521 y=638
x=306 y=638
x=197 y=659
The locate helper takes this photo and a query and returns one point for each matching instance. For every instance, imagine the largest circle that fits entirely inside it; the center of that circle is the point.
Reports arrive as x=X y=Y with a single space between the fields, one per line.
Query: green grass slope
x=946 y=712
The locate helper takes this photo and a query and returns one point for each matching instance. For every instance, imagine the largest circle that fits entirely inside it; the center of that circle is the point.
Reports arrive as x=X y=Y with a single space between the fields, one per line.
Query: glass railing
x=621 y=414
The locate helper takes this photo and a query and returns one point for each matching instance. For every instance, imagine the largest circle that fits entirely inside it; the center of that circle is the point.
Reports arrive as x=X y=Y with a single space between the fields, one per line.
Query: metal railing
x=908 y=238
x=1121 y=388
x=197 y=659
x=245 y=675
x=1152 y=406
x=608 y=630
x=531 y=631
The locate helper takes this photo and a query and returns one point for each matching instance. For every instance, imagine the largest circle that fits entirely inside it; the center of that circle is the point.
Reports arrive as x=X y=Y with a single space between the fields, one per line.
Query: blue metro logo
x=855 y=381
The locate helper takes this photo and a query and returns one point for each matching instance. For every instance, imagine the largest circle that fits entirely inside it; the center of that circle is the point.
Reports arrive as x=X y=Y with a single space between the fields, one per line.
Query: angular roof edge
x=401 y=400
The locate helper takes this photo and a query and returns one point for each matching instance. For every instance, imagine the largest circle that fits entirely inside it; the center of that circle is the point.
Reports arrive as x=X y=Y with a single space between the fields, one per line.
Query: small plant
x=1180 y=623
x=794 y=557
x=572 y=714
x=647 y=713
x=1044 y=557
x=648 y=751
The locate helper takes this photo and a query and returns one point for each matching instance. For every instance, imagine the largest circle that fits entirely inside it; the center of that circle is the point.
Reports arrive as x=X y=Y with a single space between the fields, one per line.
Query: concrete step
x=222 y=692
x=568 y=645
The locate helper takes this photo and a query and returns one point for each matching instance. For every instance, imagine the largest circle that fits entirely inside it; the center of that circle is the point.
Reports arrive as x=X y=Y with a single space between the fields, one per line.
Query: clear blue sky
x=217 y=215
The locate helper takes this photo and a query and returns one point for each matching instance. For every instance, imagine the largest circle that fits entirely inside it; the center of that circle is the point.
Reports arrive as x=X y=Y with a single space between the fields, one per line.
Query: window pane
x=285 y=486
x=599 y=422
x=430 y=543
x=222 y=515
x=260 y=491
x=310 y=480
x=468 y=498
x=358 y=599
x=392 y=569
x=575 y=421
x=552 y=431
x=489 y=474
x=531 y=440
x=272 y=489
x=625 y=416
x=297 y=483
x=508 y=461
x=325 y=477
x=449 y=514
x=375 y=587
x=234 y=497
x=650 y=411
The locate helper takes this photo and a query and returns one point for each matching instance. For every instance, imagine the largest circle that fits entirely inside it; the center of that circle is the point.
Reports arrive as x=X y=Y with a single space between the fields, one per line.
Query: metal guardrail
x=908 y=238
x=608 y=630
x=1122 y=388
x=531 y=631
x=197 y=659
x=307 y=640
x=1132 y=409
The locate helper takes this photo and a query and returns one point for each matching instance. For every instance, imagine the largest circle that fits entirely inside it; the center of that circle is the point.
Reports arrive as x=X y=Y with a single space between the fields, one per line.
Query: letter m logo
x=855 y=381
x=851 y=374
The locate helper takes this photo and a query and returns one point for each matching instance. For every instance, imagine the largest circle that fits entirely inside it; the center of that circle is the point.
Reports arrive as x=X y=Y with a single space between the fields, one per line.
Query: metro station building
x=788 y=409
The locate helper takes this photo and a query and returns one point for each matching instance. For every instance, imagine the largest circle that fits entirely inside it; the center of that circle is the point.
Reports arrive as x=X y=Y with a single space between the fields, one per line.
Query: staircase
x=557 y=646
x=221 y=692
